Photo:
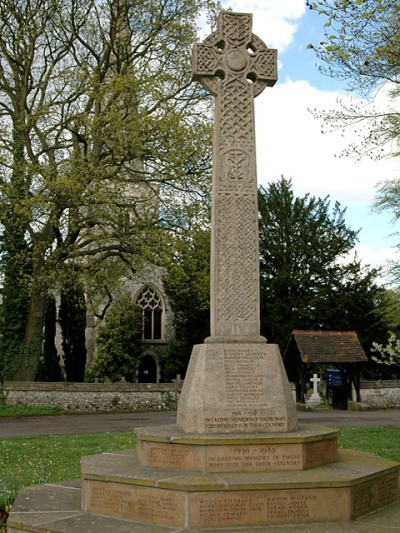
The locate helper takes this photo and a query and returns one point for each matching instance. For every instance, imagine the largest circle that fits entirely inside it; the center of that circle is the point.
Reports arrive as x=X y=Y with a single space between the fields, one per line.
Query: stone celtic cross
x=234 y=65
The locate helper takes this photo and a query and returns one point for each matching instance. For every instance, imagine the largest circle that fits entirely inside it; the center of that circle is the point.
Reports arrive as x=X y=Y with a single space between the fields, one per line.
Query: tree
x=361 y=47
x=386 y=353
x=14 y=297
x=49 y=367
x=307 y=278
x=187 y=284
x=389 y=354
x=119 y=342
x=96 y=155
x=72 y=317
x=361 y=42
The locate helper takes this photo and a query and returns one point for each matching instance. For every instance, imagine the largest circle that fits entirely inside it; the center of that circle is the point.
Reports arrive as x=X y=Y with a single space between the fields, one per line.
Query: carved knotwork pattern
x=237 y=28
x=206 y=60
x=236 y=114
x=266 y=63
x=238 y=248
x=235 y=66
x=237 y=130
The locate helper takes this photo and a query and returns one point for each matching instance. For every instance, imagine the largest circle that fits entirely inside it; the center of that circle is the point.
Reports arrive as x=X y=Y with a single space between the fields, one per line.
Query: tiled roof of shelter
x=326 y=346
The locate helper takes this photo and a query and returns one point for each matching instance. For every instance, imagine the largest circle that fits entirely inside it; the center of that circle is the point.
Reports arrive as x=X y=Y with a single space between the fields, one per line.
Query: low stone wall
x=381 y=394
x=142 y=396
x=93 y=396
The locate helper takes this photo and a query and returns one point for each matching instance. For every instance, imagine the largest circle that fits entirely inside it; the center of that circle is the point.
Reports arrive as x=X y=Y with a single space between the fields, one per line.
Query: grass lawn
x=34 y=460
x=5 y=410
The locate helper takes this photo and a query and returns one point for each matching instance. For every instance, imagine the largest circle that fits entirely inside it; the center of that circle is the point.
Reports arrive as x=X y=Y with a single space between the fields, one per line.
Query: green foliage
x=388 y=354
x=307 y=278
x=14 y=297
x=6 y=410
x=361 y=47
x=49 y=366
x=119 y=342
x=72 y=316
x=96 y=151
x=187 y=285
x=361 y=42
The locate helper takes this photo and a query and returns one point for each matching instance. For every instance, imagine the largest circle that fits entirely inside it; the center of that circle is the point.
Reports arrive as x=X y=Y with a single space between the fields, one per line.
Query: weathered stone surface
x=85 y=396
x=236 y=388
x=235 y=66
x=55 y=508
x=140 y=503
x=354 y=485
x=169 y=447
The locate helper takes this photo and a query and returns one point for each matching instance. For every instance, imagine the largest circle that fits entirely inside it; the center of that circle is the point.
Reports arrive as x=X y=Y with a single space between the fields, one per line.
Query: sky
x=289 y=137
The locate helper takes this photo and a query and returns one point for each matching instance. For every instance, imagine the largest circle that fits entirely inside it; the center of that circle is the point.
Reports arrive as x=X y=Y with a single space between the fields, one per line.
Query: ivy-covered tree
x=49 y=367
x=14 y=296
x=97 y=121
x=308 y=280
x=119 y=342
x=187 y=285
x=72 y=318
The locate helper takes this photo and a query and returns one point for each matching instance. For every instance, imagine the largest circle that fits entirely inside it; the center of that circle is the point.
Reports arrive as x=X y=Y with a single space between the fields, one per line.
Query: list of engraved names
x=245 y=380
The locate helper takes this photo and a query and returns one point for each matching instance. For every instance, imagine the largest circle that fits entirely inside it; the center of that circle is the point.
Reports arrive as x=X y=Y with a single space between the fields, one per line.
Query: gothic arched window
x=151 y=302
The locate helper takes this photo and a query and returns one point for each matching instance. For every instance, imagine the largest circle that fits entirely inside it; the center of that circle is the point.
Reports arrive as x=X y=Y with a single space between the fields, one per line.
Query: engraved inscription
x=245 y=379
x=251 y=509
x=140 y=503
x=157 y=507
x=242 y=422
x=254 y=458
x=319 y=453
x=109 y=499
x=374 y=494
x=171 y=455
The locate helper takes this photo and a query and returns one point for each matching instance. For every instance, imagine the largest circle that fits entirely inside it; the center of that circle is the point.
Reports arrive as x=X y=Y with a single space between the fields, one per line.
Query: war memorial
x=237 y=456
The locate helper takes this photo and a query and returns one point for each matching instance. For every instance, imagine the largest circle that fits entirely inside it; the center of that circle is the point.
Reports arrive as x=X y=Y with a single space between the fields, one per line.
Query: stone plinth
x=169 y=447
x=236 y=388
x=118 y=485
x=55 y=508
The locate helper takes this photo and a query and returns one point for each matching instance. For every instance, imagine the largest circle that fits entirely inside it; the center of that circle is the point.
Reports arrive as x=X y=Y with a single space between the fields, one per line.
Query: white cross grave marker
x=315 y=397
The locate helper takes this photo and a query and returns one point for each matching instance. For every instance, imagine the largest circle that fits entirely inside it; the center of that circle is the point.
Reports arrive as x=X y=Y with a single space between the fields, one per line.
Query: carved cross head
x=234 y=52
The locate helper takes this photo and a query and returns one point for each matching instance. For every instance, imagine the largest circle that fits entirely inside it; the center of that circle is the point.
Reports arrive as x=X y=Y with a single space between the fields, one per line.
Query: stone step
x=117 y=484
x=358 y=483
x=169 y=447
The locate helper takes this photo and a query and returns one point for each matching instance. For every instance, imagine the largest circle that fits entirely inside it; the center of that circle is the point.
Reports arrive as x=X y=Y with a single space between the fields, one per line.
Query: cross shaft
x=234 y=65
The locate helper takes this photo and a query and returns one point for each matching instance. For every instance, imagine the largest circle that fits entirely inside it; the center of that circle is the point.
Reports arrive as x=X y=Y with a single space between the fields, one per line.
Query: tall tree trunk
x=32 y=345
x=33 y=337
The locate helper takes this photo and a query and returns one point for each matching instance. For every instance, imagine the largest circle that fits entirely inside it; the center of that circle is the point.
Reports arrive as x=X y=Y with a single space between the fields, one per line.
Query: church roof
x=325 y=347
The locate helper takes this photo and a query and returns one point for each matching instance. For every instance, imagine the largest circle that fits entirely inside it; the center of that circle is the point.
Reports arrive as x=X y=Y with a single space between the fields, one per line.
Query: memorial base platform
x=213 y=483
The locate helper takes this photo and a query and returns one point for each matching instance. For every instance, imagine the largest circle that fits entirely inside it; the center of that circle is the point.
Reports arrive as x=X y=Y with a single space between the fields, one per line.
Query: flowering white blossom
x=389 y=354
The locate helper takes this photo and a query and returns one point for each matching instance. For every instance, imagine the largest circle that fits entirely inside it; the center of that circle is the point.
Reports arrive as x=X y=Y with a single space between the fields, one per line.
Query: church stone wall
x=93 y=396
x=381 y=394
x=147 y=396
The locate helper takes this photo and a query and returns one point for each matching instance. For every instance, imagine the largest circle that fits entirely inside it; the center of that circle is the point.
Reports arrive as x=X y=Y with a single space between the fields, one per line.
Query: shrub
x=119 y=342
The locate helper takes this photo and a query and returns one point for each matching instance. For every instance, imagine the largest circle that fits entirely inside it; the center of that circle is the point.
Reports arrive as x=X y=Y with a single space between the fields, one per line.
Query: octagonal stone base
x=170 y=447
x=118 y=485
x=236 y=388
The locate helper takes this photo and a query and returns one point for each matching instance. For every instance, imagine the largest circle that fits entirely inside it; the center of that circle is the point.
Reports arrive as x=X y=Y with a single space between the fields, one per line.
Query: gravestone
x=235 y=381
x=315 y=398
